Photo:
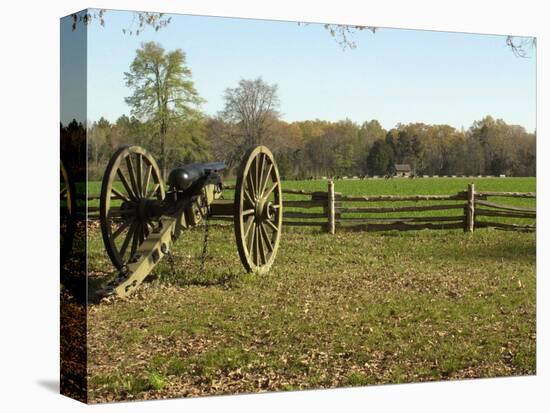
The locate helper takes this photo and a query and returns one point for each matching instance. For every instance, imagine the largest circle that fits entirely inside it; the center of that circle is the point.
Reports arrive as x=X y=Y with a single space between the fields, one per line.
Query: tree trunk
x=162 y=161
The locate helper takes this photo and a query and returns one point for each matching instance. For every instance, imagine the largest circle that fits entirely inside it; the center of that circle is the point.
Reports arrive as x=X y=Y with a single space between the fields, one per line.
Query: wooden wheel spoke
x=256 y=245
x=257 y=174
x=126 y=185
x=266 y=180
x=147 y=179
x=63 y=192
x=141 y=234
x=275 y=184
x=251 y=239
x=132 y=174
x=128 y=238
x=249 y=224
x=261 y=249
x=139 y=176
x=119 y=195
x=248 y=212
x=120 y=229
x=272 y=225
x=266 y=238
x=248 y=197
x=135 y=240
x=251 y=186
x=262 y=161
x=155 y=189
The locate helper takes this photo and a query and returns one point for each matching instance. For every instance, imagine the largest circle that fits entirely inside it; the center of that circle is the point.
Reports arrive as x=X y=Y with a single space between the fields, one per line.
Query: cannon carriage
x=141 y=217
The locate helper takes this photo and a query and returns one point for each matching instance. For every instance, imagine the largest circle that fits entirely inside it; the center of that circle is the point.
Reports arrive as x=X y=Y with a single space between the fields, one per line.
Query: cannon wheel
x=258 y=210
x=131 y=177
x=67 y=210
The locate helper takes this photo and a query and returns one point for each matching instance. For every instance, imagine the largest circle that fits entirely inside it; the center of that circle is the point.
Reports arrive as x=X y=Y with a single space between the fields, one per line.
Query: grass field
x=399 y=186
x=344 y=310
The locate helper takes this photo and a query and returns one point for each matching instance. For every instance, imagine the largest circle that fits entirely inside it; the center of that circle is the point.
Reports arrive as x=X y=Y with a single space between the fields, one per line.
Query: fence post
x=469 y=210
x=331 y=212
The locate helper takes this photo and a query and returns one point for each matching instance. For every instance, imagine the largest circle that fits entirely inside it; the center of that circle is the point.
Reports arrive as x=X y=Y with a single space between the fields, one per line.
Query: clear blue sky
x=394 y=75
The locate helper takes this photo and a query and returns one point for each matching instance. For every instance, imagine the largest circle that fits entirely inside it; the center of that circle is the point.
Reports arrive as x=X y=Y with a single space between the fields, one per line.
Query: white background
x=29 y=136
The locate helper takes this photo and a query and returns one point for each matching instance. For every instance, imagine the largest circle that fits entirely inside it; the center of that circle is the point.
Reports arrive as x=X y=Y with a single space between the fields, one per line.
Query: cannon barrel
x=183 y=177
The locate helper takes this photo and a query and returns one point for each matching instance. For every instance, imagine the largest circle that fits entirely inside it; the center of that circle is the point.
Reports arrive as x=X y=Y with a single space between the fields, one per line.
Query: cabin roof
x=405 y=167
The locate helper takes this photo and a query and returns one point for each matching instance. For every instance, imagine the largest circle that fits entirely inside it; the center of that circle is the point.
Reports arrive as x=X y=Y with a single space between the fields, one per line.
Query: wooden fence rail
x=367 y=218
x=505 y=207
x=395 y=198
x=378 y=210
x=331 y=214
x=509 y=194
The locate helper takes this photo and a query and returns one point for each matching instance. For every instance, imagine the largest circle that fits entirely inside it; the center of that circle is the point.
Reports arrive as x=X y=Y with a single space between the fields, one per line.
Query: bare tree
x=343 y=33
x=140 y=20
x=520 y=45
x=251 y=109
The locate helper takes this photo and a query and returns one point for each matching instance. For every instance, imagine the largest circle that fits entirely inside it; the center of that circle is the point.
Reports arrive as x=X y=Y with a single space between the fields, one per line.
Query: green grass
x=398 y=186
x=406 y=186
x=345 y=310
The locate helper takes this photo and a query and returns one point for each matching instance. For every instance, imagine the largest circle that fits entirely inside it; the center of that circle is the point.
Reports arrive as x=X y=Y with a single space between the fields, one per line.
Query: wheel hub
x=142 y=209
x=263 y=210
x=147 y=209
x=259 y=209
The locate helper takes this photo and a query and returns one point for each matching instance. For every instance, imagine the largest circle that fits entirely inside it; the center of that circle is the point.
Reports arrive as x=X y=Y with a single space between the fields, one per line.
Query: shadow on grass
x=517 y=251
x=454 y=245
x=389 y=233
x=187 y=276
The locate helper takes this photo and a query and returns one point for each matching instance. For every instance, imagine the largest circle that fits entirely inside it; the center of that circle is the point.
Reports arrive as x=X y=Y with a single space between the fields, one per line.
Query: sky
x=394 y=75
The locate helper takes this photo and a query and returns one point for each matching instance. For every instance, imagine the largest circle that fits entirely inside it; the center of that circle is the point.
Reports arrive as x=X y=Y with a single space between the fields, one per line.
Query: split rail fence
x=467 y=210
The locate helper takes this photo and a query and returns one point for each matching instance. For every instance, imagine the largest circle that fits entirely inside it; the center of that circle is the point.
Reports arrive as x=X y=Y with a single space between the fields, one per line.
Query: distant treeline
x=168 y=121
x=320 y=148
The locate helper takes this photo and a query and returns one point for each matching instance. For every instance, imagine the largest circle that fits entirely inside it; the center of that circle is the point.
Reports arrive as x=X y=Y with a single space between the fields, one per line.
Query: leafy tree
x=370 y=132
x=187 y=141
x=499 y=143
x=163 y=91
x=380 y=158
x=320 y=148
x=97 y=140
x=344 y=144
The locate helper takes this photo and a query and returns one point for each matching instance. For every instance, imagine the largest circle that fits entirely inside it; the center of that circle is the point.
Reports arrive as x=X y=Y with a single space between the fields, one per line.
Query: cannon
x=141 y=216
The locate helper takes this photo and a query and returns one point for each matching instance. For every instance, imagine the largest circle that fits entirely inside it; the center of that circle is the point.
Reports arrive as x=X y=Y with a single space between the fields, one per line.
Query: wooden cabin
x=401 y=170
